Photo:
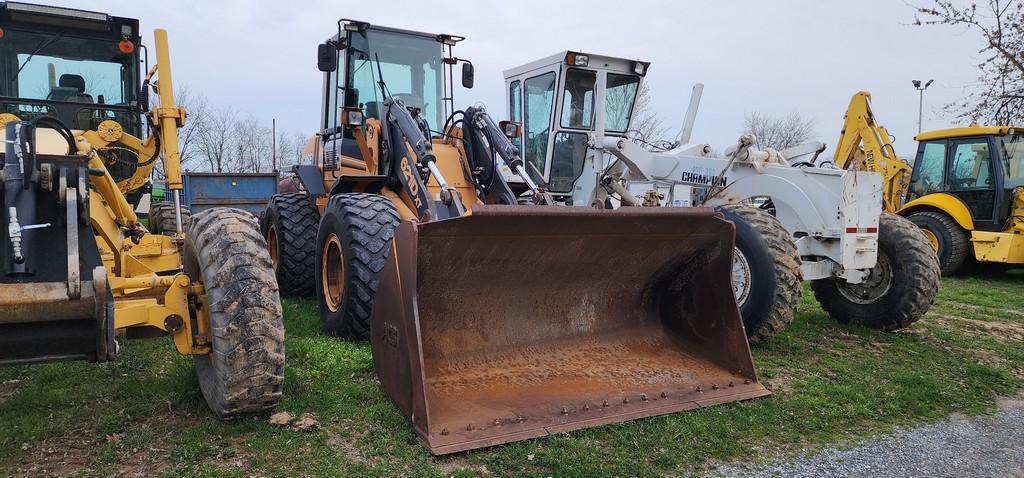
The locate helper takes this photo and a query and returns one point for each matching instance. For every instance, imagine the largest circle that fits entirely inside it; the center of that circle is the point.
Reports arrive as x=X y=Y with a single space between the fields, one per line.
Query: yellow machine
x=492 y=321
x=965 y=189
x=78 y=269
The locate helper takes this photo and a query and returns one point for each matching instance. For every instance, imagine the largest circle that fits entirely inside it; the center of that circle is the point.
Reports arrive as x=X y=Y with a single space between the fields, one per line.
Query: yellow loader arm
x=166 y=119
x=866 y=146
x=110 y=132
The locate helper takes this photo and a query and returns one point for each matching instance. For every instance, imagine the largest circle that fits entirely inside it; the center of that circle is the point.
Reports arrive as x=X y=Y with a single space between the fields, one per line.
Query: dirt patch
x=779 y=384
x=82 y=452
x=8 y=388
x=346 y=444
x=451 y=464
x=979 y=355
x=987 y=311
x=1002 y=331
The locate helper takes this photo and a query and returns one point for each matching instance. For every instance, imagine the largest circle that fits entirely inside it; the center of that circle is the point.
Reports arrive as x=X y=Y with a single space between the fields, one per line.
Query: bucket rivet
x=699 y=389
x=663 y=394
x=444 y=431
x=565 y=411
x=714 y=386
x=605 y=403
x=731 y=384
x=586 y=406
x=643 y=397
x=625 y=400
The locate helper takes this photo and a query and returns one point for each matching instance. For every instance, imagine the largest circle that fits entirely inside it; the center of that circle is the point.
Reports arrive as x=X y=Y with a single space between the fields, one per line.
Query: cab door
x=974 y=176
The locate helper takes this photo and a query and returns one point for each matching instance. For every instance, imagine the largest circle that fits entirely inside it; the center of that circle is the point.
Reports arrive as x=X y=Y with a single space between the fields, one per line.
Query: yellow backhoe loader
x=965 y=188
x=492 y=321
x=77 y=269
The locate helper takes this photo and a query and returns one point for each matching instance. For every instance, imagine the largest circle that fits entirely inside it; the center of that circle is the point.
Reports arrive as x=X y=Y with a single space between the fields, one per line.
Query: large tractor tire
x=766 y=271
x=949 y=241
x=898 y=291
x=244 y=372
x=162 y=221
x=352 y=248
x=289 y=224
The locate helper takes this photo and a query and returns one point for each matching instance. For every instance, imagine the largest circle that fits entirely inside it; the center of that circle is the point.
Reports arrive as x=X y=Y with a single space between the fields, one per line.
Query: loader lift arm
x=495 y=140
x=865 y=145
x=404 y=127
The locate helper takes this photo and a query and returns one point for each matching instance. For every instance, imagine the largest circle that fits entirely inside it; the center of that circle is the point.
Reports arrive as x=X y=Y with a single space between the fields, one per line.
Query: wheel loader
x=965 y=189
x=79 y=271
x=492 y=321
x=793 y=221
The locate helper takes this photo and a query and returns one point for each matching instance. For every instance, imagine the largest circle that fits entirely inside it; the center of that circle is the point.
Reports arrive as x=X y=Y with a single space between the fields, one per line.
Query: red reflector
x=851 y=230
x=872 y=230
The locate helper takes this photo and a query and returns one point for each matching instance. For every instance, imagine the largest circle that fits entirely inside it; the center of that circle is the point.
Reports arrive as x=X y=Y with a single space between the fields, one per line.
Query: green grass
x=831 y=384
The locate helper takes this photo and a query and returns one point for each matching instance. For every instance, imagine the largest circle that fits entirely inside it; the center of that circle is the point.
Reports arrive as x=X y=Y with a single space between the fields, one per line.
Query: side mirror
x=327 y=57
x=467 y=75
x=511 y=129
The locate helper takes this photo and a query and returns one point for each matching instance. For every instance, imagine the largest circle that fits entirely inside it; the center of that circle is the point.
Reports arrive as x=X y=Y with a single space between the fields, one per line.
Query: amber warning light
x=126 y=46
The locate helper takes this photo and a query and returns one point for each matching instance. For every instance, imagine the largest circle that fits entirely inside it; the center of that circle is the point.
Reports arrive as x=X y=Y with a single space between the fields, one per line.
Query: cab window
x=578 y=101
x=515 y=101
x=1013 y=159
x=928 y=170
x=971 y=166
x=619 y=99
x=540 y=97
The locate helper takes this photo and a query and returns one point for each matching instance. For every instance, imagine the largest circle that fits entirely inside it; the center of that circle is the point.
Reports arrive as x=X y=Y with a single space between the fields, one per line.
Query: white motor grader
x=794 y=221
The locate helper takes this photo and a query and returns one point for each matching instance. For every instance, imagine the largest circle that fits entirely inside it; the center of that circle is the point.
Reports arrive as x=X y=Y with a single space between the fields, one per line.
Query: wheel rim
x=932 y=239
x=332 y=273
x=740 y=276
x=874 y=287
x=272 y=245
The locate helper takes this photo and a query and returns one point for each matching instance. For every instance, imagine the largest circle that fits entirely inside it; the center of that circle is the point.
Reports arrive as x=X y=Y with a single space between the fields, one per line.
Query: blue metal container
x=250 y=192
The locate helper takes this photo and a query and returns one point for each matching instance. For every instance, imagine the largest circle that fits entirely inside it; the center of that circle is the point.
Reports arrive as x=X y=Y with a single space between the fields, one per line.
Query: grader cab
x=79 y=271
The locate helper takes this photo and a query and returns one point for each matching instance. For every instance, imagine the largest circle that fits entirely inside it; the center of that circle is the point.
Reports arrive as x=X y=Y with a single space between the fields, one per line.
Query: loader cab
x=556 y=100
x=79 y=66
x=980 y=166
x=416 y=67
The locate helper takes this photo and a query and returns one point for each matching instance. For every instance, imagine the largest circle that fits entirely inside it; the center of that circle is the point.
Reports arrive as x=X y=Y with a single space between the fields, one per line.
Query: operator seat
x=71 y=88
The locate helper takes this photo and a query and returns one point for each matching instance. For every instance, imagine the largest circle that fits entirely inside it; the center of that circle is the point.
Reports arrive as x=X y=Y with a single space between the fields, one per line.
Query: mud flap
x=522 y=321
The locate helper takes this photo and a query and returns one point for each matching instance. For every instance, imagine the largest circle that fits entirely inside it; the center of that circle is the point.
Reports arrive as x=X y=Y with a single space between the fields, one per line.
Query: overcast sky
x=259 y=57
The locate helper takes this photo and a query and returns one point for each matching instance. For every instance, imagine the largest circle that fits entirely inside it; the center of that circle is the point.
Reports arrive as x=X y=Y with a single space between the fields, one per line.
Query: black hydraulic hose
x=60 y=127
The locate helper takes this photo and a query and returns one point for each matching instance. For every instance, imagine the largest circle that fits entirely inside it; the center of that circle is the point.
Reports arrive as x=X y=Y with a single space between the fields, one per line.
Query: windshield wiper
x=42 y=44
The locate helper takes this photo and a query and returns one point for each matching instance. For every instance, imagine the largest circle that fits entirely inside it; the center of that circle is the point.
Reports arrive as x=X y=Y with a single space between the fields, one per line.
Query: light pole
x=920 y=99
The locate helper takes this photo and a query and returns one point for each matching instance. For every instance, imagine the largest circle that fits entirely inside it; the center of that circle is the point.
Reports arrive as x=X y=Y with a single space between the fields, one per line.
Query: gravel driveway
x=984 y=446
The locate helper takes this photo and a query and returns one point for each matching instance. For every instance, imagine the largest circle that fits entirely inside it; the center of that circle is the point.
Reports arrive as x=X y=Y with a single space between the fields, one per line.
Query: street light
x=920 y=99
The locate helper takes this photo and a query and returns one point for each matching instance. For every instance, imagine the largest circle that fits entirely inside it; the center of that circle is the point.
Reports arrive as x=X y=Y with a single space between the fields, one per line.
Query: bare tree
x=215 y=138
x=645 y=121
x=999 y=95
x=778 y=132
x=196 y=105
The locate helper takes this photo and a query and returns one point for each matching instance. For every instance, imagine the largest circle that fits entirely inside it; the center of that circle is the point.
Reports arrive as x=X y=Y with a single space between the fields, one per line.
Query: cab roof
x=596 y=61
x=968 y=131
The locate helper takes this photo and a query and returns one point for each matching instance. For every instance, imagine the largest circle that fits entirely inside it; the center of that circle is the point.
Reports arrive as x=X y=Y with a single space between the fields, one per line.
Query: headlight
x=577 y=59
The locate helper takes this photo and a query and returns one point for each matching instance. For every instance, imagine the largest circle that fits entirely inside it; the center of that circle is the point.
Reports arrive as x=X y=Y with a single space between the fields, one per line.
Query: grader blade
x=524 y=321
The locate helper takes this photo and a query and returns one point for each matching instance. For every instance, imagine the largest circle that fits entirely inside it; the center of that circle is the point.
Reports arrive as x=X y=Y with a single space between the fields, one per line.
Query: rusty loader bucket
x=523 y=321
